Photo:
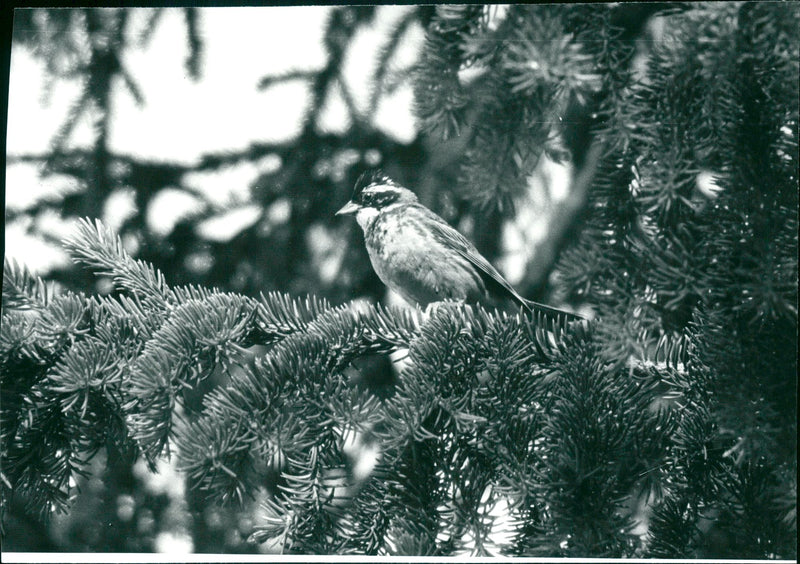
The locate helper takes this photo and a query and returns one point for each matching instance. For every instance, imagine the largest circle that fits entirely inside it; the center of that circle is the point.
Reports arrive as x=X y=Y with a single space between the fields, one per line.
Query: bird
x=421 y=257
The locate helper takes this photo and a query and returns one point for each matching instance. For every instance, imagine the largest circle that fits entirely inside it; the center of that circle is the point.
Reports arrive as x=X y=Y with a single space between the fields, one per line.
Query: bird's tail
x=550 y=317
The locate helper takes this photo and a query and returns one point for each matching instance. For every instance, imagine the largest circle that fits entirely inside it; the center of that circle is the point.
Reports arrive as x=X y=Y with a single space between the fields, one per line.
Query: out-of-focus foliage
x=313 y=172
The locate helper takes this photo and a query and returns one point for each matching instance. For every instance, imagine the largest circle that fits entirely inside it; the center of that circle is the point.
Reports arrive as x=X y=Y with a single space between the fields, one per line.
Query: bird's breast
x=411 y=260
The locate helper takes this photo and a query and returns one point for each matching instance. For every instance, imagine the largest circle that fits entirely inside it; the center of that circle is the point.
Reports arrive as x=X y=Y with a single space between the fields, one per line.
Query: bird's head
x=375 y=192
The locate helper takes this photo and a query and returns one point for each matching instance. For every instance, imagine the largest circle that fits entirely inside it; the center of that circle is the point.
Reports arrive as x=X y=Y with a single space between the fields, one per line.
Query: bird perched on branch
x=421 y=257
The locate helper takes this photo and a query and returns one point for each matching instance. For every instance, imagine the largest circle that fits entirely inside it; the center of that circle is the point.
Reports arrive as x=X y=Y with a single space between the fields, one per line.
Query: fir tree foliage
x=663 y=427
x=691 y=232
x=483 y=408
x=506 y=82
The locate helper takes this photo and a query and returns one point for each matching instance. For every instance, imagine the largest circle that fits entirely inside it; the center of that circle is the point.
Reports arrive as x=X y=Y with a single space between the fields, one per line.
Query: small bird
x=420 y=256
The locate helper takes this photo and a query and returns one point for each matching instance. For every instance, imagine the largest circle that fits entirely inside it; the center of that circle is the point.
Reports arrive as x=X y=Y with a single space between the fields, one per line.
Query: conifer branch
x=100 y=248
x=22 y=290
x=199 y=337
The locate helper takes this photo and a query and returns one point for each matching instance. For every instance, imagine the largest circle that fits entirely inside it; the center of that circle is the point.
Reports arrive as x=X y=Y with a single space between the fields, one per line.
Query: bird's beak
x=349 y=208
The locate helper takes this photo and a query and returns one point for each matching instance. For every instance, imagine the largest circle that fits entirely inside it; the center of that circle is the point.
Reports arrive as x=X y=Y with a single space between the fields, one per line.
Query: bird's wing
x=466 y=249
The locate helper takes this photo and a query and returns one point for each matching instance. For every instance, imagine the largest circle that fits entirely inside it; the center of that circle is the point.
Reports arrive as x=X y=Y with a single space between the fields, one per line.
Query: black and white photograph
x=392 y=281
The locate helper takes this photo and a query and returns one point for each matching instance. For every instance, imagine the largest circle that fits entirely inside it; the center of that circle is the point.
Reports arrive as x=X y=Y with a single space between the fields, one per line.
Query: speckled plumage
x=416 y=263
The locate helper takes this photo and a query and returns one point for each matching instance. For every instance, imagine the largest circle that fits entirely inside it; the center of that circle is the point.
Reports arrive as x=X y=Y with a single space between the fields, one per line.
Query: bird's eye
x=379 y=196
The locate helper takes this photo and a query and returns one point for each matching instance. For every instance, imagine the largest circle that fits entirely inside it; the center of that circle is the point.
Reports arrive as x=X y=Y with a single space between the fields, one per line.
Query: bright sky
x=181 y=119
